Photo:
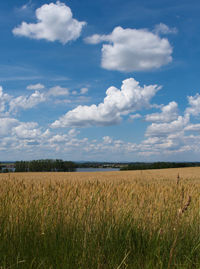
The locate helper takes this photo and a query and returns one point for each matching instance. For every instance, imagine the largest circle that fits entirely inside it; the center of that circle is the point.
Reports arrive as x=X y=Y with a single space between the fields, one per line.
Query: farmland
x=130 y=219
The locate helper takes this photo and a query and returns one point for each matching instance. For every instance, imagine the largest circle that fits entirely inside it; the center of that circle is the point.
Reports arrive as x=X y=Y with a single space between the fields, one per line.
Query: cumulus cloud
x=4 y=98
x=162 y=28
x=54 y=22
x=11 y=104
x=118 y=102
x=169 y=113
x=164 y=129
x=27 y=130
x=162 y=145
x=24 y=136
x=26 y=102
x=6 y=124
x=58 y=91
x=35 y=87
x=169 y=133
x=132 y=50
x=194 y=102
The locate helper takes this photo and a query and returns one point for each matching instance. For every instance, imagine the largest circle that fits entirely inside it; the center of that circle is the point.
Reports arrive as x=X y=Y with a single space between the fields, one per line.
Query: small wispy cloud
x=162 y=28
x=35 y=87
x=28 y=5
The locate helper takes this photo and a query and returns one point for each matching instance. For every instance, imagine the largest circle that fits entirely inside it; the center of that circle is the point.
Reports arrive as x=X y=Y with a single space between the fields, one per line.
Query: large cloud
x=54 y=22
x=117 y=102
x=133 y=50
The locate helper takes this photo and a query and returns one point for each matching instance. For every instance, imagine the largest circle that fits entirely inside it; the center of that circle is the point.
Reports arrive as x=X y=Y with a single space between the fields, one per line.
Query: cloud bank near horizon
x=168 y=133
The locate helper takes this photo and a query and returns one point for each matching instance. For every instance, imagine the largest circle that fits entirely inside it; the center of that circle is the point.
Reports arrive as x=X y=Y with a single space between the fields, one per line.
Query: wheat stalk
x=178 y=179
x=185 y=207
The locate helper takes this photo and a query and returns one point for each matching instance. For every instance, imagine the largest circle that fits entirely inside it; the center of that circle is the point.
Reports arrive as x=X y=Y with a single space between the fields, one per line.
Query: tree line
x=45 y=166
x=159 y=165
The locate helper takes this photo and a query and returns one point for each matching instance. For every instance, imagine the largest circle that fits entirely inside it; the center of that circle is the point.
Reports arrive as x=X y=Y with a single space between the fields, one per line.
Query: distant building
x=7 y=168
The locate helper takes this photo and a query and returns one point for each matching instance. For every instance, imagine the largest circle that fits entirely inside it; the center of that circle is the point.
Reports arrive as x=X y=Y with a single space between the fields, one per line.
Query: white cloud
x=26 y=102
x=54 y=22
x=6 y=125
x=4 y=98
x=107 y=139
x=58 y=139
x=46 y=134
x=134 y=116
x=169 y=113
x=194 y=102
x=162 y=28
x=58 y=91
x=35 y=87
x=27 y=130
x=95 y=39
x=23 y=138
x=73 y=132
x=117 y=103
x=168 y=135
x=164 y=129
x=193 y=127
x=84 y=90
x=64 y=138
x=133 y=50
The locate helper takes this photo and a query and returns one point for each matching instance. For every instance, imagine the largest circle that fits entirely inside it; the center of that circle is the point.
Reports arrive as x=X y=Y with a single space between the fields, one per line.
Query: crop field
x=131 y=219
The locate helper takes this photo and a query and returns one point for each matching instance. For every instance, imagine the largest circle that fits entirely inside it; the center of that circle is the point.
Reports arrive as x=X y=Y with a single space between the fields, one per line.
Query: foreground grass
x=100 y=220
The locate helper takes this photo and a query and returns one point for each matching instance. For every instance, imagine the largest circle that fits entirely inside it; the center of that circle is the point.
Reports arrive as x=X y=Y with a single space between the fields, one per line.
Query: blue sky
x=100 y=80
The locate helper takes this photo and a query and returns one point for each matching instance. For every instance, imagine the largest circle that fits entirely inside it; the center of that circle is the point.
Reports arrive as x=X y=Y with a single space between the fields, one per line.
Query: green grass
x=104 y=246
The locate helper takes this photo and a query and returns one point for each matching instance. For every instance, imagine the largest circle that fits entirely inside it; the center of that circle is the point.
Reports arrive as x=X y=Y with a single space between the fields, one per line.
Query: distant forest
x=45 y=166
x=59 y=165
x=158 y=165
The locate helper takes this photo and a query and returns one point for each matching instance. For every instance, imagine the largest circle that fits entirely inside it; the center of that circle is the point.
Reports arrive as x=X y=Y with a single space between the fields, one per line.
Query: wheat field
x=130 y=219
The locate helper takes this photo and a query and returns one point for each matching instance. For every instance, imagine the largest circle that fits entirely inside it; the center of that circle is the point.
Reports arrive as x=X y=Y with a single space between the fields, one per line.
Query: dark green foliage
x=159 y=165
x=45 y=166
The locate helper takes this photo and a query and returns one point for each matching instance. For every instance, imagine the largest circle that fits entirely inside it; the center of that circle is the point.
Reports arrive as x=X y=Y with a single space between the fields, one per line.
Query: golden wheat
x=151 y=198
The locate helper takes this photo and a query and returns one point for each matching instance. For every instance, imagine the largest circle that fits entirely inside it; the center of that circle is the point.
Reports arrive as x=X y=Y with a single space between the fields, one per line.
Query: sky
x=114 y=80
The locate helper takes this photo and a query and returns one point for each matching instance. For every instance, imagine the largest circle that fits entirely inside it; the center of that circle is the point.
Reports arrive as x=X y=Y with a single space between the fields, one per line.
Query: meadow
x=130 y=219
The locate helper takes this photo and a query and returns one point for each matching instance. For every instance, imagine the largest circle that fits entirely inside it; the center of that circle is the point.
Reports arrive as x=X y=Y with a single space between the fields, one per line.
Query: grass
x=118 y=220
